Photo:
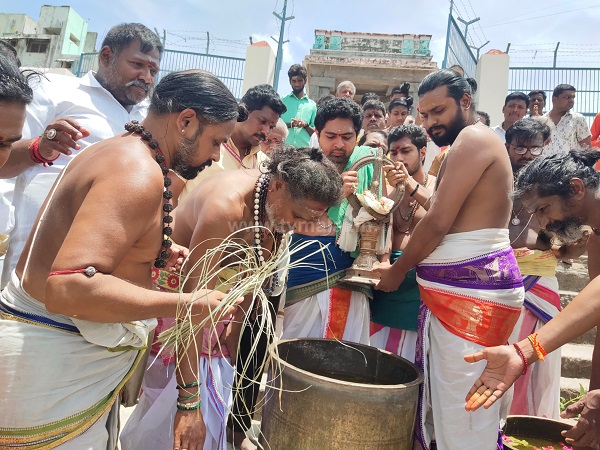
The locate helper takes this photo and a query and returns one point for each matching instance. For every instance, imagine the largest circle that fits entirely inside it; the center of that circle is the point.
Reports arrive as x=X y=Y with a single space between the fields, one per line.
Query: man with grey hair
x=346 y=89
x=68 y=114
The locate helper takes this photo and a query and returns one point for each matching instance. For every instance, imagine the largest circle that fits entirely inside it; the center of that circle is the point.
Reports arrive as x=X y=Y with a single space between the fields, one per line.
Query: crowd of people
x=117 y=198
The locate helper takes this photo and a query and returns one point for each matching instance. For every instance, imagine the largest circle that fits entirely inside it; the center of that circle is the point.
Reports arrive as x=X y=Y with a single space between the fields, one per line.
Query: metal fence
x=458 y=50
x=229 y=69
x=585 y=80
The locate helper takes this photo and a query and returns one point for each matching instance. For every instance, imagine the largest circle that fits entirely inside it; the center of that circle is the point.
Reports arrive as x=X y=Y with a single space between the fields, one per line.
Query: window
x=37 y=46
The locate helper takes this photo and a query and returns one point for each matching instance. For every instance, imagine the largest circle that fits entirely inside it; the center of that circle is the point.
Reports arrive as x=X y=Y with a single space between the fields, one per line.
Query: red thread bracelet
x=523 y=357
x=36 y=156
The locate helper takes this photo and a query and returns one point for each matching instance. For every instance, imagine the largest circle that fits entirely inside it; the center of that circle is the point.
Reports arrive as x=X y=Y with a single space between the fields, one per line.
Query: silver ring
x=50 y=134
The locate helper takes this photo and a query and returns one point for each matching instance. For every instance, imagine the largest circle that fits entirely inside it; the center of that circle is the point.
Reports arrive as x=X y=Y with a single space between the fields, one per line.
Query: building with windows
x=373 y=62
x=55 y=41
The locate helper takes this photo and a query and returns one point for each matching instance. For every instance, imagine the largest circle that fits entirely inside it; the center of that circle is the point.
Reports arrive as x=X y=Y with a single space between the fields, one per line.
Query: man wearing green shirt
x=301 y=110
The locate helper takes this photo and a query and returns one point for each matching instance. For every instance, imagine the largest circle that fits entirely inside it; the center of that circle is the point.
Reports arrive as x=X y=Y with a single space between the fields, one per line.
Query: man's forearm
x=108 y=299
x=19 y=160
x=309 y=129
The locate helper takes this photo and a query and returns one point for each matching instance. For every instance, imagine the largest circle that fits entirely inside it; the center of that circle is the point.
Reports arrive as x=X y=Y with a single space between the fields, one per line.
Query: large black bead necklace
x=165 y=253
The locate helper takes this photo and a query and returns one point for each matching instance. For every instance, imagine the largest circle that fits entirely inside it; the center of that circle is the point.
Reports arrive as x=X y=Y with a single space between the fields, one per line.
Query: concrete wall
x=492 y=85
x=259 y=67
x=90 y=42
x=16 y=24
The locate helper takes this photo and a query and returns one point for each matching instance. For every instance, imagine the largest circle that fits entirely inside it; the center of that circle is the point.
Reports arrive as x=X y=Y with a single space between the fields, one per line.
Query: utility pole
x=470 y=22
x=280 y=42
x=556 y=53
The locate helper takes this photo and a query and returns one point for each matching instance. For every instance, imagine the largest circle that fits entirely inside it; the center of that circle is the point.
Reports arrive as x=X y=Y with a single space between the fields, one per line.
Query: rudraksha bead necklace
x=165 y=253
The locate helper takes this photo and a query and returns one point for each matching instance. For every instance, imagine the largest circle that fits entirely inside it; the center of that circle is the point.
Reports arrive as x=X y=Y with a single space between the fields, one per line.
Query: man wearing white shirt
x=571 y=131
x=515 y=108
x=69 y=114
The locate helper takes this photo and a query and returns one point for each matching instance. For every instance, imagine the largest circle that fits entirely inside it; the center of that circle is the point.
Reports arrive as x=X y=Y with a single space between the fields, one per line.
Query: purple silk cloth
x=495 y=270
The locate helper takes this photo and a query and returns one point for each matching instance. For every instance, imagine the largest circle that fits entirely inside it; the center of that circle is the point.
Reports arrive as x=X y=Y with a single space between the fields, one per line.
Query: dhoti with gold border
x=472 y=294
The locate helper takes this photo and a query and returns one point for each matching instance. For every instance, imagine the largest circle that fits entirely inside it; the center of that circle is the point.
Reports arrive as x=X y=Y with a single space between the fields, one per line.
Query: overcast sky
x=529 y=25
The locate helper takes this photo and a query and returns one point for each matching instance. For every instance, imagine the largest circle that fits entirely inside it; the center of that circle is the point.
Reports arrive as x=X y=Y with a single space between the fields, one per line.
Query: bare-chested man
x=295 y=188
x=394 y=314
x=466 y=269
x=538 y=392
x=79 y=308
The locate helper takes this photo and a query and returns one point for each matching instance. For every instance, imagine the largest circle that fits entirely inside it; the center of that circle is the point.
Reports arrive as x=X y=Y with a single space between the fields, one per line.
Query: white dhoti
x=334 y=313
x=395 y=340
x=537 y=393
x=150 y=426
x=61 y=375
x=472 y=292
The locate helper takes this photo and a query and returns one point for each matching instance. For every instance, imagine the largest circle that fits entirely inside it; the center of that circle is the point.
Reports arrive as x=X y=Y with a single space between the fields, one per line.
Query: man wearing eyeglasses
x=571 y=131
x=537 y=393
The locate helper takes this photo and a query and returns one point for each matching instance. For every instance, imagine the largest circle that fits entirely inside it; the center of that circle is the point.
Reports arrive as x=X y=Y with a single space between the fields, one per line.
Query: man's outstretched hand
x=586 y=432
x=504 y=366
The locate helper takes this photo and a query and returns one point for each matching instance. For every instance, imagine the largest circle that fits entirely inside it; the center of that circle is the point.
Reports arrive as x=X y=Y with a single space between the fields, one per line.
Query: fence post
x=445 y=62
x=555 y=52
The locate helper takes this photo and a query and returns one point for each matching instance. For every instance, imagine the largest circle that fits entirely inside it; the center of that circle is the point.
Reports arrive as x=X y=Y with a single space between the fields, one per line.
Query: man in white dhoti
x=75 y=318
x=295 y=187
x=469 y=280
x=317 y=304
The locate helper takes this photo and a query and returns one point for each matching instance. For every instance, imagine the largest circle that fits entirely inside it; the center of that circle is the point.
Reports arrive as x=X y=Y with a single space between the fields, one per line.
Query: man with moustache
x=295 y=187
x=68 y=114
x=464 y=233
x=394 y=315
x=317 y=303
x=242 y=150
x=538 y=392
x=537 y=102
x=515 y=108
x=80 y=303
x=561 y=192
x=571 y=131
x=301 y=110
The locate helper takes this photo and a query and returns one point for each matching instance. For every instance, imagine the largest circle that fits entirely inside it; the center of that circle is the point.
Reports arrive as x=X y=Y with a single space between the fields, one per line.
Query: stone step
x=589 y=337
x=576 y=360
x=570 y=387
x=572 y=278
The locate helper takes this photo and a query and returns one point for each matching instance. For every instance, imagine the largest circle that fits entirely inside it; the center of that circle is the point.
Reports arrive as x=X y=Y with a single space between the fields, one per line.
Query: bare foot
x=240 y=441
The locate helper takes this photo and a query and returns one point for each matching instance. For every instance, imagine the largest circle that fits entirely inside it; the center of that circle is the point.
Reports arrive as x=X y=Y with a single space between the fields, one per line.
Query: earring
x=183 y=131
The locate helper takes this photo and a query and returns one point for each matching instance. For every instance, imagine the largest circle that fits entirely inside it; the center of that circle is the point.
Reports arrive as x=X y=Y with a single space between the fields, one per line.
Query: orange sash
x=339 y=307
x=476 y=320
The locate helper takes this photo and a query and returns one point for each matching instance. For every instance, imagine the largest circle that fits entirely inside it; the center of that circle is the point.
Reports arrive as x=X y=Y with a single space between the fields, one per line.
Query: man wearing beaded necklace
x=394 y=314
x=295 y=188
x=538 y=392
x=80 y=304
x=68 y=114
x=242 y=150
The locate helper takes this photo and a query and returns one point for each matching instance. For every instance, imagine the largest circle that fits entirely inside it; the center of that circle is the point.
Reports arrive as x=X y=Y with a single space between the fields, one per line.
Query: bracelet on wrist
x=539 y=350
x=36 y=156
x=523 y=357
x=188 y=397
x=415 y=191
x=188 y=385
x=189 y=406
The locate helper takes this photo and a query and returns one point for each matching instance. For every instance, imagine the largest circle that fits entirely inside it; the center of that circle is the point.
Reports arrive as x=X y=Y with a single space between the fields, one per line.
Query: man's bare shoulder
x=127 y=165
x=218 y=197
x=478 y=143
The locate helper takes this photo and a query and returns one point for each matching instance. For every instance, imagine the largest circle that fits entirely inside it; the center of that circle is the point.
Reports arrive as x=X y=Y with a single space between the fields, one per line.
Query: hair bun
x=473 y=85
x=242 y=113
x=409 y=102
x=316 y=154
